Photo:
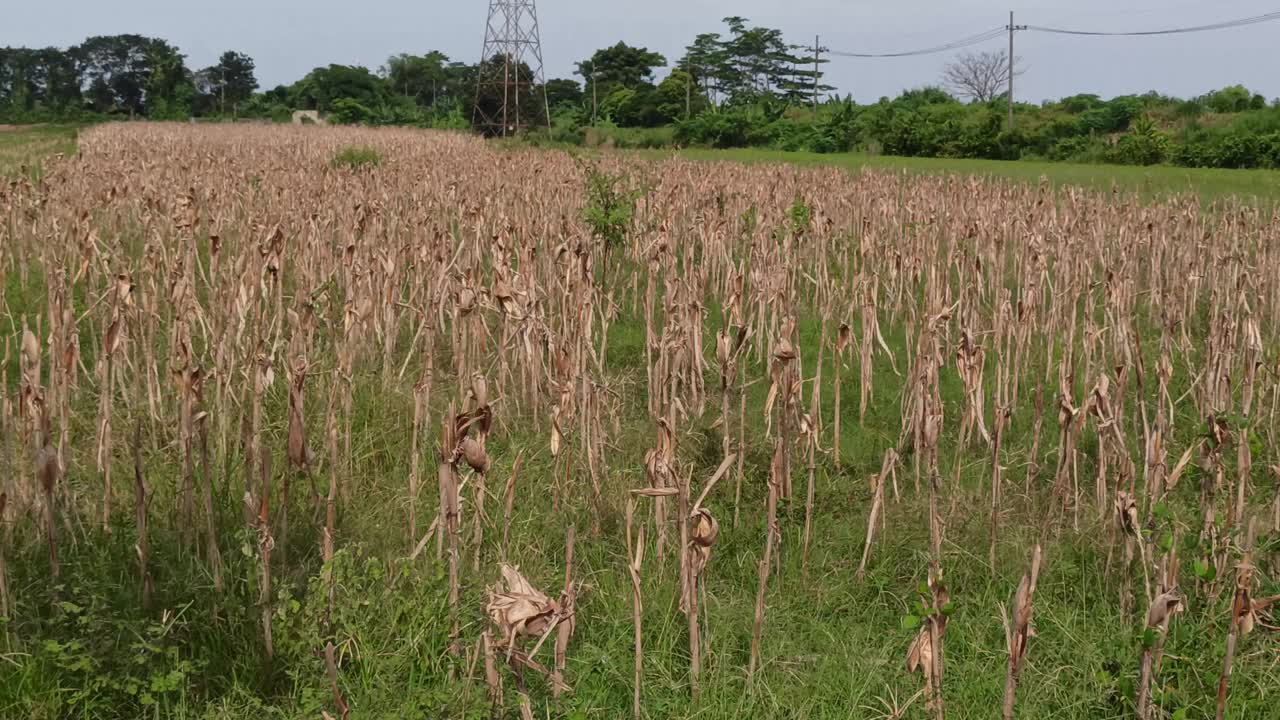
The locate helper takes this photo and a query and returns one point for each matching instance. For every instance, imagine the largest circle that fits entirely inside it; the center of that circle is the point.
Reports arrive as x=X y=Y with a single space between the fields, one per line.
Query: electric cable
x=954 y=45
x=1224 y=25
x=998 y=31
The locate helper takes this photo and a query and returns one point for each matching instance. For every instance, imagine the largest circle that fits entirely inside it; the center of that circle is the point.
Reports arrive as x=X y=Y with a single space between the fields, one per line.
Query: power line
x=998 y=31
x=1242 y=22
x=954 y=45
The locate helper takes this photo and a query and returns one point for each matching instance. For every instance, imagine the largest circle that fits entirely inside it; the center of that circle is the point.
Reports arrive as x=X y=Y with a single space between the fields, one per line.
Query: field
x=25 y=148
x=1157 y=181
x=308 y=422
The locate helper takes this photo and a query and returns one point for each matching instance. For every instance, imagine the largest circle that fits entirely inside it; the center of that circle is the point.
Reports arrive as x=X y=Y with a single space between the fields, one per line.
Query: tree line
x=1227 y=128
x=743 y=86
x=114 y=75
x=138 y=76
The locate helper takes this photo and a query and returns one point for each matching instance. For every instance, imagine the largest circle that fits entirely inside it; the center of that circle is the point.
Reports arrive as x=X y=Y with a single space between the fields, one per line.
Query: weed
x=357 y=157
x=610 y=208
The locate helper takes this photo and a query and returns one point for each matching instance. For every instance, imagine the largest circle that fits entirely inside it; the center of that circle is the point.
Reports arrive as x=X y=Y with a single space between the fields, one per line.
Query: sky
x=287 y=38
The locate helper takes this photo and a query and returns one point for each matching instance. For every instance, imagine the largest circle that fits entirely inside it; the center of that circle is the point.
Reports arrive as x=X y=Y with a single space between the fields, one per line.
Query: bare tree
x=980 y=76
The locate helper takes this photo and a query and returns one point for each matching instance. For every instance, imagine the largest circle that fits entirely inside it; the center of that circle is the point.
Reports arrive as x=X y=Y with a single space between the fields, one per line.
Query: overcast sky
x=289 y=37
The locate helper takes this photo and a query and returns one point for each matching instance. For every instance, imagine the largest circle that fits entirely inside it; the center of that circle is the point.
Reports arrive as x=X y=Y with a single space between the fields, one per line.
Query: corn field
x=477 y=431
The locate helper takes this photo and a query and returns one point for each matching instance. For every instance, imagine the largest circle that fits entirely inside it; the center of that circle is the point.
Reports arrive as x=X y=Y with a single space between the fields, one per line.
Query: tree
x=707 y=63
x=563 y=92
x=169 y=91
x=118 y=71
x=1235 y=98
x=804 y=81
x=459 y=89
x=43 y=79
x=323 y=86
x=421 y=77
x=621 y=66
x=752 y=64
x=231 y=81
x=676 y=98
x=980 y=76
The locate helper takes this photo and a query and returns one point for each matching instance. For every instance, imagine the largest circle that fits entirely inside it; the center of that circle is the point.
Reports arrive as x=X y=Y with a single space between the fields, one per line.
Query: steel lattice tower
x=510 y=69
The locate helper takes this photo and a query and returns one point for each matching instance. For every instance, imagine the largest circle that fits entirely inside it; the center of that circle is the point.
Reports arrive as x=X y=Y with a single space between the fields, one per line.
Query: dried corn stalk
x=700 y=531
x=1162 y=609
x=1244 y=614
x=659 y=470
x=520 y=613
x=1019 y=631
x=776 y=469
x=844 y=338
x=888 y=469
x=925 y=653
x=635 y=559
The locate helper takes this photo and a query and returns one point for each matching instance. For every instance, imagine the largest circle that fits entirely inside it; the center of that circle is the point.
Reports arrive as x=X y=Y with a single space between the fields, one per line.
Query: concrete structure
x=302 y=117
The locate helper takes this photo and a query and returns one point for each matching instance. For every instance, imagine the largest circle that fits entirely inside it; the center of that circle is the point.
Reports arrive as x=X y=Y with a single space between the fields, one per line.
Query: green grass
x=834 y=647
x=357 y=158
x=629 y=137
x=1254 y=186
x=27 y=146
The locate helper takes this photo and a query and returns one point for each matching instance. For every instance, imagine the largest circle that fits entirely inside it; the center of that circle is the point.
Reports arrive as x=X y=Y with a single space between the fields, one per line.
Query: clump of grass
x=357 y=157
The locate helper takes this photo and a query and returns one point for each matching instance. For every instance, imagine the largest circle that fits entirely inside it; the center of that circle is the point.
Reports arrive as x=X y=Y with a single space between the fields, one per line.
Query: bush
x=1140 y=149
x=1191 y=154
x=838 y=131
x=1238 y=151
x=454 y=119
x=357 y=158
x=1229 y=99
x=1080 y=148
x=1143 y=145
x=728 y=129
x=1270 y=153
x=1080 y=103
x=609 y=208
x=568 y=134
x=346 y=111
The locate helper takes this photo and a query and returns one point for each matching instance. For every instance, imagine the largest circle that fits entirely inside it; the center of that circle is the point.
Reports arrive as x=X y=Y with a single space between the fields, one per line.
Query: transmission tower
x=510 y=73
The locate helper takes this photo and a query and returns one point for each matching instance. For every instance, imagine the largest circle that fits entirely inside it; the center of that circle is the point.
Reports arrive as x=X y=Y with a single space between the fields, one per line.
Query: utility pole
x=817 y=53
x=595 y=105
x=1010 y=71
x=1012 y=29
x=688 y=92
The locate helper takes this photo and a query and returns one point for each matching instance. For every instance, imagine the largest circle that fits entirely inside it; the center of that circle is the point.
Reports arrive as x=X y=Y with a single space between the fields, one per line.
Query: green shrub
x=1270 y=153
x=728 y=129
x=1238 y=151
x=568 y=134
x=1229 y=99
x=609 y=209
x=1191 y=153
x=346 y=111
x=357 y=157
x=453 y=119
x=1081 y=148
x=1142 y=145
x=837 y=131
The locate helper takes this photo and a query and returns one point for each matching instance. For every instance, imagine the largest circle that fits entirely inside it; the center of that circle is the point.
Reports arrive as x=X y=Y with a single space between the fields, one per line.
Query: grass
x=629 y=137
x=27 y=146
x=357 y=158
x=1254 y=186
x=834 y=647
